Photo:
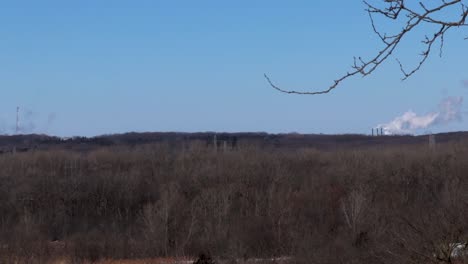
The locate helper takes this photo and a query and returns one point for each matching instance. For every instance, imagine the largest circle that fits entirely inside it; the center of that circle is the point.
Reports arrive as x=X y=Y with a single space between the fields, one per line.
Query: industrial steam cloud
x=449 y=110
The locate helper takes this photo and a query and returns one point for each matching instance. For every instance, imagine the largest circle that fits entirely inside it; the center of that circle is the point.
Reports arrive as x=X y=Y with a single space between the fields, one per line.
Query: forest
x=382 y=203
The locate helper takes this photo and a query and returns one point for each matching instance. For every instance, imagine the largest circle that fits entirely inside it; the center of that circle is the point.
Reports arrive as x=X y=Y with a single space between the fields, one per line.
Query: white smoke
x=465 y=83
x=449 y=110
x=49 y=122
x=29 y=122
x=3 y=126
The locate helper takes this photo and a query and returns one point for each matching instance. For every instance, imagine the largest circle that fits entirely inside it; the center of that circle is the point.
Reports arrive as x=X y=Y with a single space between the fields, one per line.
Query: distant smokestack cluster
x=449 y=110
x=378 y=131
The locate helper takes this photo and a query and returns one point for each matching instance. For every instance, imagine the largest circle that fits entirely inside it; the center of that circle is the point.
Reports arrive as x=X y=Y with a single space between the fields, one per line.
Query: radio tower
x=17 y=120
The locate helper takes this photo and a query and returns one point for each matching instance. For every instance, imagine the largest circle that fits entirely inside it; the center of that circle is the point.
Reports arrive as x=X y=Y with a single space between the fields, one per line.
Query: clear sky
x=98 y=67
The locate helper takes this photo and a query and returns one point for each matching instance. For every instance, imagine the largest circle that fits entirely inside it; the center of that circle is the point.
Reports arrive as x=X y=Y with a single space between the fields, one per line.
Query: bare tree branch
x=413 y=18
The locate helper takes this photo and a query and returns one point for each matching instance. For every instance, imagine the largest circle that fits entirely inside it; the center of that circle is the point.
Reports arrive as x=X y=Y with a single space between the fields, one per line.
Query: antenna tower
x=17 y=119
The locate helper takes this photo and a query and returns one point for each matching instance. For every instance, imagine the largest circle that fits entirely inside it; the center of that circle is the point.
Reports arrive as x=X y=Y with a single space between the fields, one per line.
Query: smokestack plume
x=465 y=83
x=449 y=110
x=26 y=121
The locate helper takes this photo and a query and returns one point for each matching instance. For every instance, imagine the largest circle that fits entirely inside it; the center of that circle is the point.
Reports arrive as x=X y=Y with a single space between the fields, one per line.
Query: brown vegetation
x=372 y=205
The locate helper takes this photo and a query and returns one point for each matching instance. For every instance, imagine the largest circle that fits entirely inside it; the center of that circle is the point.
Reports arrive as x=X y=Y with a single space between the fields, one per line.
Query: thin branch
x=394 y=10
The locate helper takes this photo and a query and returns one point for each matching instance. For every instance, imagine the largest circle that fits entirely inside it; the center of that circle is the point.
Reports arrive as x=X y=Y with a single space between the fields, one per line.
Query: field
x=150 y=202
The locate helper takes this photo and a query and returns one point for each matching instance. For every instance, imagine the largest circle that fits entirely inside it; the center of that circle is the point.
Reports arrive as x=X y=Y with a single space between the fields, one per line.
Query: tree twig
x=394 y=10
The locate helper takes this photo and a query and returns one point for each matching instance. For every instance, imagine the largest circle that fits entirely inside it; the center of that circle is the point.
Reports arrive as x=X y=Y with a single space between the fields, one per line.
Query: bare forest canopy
x=378 y=204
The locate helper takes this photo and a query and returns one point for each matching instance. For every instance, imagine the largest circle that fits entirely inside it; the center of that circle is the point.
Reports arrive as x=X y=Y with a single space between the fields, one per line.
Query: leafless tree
x=353 y=207
x=413 y=15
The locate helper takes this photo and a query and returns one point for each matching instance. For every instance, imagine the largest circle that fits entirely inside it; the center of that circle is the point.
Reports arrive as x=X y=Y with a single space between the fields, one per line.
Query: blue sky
x=100 y=67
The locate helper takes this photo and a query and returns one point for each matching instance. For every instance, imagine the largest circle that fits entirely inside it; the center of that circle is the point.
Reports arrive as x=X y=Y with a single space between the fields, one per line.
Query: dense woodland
x=373 y=204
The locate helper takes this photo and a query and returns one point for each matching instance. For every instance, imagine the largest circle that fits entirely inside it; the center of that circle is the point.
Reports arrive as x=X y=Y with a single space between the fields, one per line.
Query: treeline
x=373 y=205
x=26 y=143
